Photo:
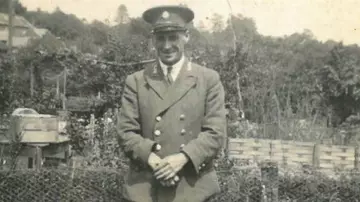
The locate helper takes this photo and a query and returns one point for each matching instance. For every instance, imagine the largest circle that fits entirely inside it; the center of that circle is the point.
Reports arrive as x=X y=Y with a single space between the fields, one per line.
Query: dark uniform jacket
x=187 y=116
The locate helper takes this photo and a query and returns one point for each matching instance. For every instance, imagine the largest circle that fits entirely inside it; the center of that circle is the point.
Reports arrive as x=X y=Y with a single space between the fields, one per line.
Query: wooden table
x=35 y=152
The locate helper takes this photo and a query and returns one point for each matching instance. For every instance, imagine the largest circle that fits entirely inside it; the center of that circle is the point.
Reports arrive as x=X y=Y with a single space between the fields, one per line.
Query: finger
x=169 y=183
x=172 y=182
x=171 y=175
x=164 y=183
x=165 y=174
x=176 y=169
x=162 y=170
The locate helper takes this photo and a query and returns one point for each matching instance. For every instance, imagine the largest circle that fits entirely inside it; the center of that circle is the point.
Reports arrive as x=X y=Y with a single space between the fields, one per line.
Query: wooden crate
x=336 y=157
x=292 y=153
x=296 y=154
x=249 y=149
x=34 y=128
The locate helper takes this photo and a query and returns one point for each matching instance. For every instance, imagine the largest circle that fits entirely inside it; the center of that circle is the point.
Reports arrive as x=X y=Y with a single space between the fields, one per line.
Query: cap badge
x=165 y=15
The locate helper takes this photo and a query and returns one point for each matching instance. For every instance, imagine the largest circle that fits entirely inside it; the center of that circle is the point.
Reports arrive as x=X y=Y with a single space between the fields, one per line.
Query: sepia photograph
x=179 y=101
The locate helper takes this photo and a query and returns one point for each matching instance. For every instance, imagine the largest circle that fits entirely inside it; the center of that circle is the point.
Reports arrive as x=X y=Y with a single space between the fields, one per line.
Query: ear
x=152 y=38
x=153 y=41
x=186 y=36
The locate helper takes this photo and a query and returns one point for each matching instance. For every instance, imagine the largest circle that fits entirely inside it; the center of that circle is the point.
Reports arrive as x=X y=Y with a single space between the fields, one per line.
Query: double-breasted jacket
x=187 y=116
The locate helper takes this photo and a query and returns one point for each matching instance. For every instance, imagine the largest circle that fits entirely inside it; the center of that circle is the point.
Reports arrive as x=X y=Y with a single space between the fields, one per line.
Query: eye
x=160 y=38
x=173 y=37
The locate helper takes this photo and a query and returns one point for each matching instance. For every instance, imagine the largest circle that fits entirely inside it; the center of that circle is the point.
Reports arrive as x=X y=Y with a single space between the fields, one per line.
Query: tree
x=122 y=16
x=139 y=27
x=183 y=5
x=340 y=83
x=66 y=26
x=18 y=7
x=99 y=32
x=217 y=22
x=309 y=33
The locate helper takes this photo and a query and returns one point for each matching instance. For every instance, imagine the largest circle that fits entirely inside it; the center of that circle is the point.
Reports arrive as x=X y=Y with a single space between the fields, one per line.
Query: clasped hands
x=166 y=169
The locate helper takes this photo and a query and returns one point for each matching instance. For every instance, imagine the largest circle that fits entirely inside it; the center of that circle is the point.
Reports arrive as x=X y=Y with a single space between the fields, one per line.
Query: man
x=172 y=121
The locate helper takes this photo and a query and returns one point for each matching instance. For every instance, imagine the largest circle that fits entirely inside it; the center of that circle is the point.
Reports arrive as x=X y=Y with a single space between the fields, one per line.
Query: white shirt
x=175 y=68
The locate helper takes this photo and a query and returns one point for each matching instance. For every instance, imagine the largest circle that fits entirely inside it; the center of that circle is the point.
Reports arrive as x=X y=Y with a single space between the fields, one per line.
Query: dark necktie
x=168 y=76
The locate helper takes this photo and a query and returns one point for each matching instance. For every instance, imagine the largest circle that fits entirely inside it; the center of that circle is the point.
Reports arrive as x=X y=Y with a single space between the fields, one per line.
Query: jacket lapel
x=186 y=80
x=155 y=78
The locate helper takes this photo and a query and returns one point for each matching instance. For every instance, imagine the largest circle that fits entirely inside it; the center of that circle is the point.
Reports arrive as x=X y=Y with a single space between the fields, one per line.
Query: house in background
x=24 y=32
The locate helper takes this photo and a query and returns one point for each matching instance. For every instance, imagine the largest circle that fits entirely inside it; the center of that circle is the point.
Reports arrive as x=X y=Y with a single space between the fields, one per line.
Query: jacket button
x=158 y=147
x=157 y=132
x=183 y=131
x=158 y=118
x=182 y=116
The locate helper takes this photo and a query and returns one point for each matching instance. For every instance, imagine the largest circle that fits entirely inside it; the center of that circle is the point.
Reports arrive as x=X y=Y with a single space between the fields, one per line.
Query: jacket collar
x=176 y=67
x=169 y=95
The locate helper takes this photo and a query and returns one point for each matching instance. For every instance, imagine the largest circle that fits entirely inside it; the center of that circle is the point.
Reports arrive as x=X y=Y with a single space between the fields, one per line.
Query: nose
x=167 y=44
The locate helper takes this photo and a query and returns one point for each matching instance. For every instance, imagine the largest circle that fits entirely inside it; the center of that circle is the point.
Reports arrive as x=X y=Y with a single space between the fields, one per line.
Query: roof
x=31 y=32
x=18 y=21
x=40 y=32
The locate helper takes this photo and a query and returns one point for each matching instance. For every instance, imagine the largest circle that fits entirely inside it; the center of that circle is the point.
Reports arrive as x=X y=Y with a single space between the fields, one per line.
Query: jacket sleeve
x=128 y=127
x=213 y=130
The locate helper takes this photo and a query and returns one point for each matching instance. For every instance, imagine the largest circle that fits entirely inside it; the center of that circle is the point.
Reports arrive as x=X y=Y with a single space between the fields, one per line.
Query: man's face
x=170 y=46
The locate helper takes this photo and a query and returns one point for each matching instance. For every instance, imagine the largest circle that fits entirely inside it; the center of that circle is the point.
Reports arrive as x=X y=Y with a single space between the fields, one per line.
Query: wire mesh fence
x=274 y=184
x=240 y=185
x=61 y=184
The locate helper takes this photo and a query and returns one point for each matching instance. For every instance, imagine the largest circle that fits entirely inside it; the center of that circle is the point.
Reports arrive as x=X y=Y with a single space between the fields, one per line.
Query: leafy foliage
x=295 y=77
x=61 y=24
x=18 y=7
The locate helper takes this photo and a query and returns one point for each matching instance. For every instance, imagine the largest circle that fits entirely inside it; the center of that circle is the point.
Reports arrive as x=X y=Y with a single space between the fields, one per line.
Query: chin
x=168 y=61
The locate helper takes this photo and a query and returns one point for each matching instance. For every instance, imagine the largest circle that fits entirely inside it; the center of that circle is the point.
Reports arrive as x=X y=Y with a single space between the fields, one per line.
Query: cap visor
x=168 y=29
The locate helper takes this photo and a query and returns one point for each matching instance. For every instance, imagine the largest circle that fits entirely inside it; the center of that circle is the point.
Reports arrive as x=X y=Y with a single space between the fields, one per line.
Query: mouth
x=168 y=54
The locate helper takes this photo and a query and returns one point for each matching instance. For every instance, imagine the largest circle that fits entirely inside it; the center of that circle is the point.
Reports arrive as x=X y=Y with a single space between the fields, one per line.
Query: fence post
x=225 y=149
x=270 y=181
x=73 y=164
x=316 y=156
x=92 y=128
x=38 y=158
x=357 y=157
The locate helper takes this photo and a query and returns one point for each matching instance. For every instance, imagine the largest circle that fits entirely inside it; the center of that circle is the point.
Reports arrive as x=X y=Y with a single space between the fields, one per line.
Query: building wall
x=21 y=35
